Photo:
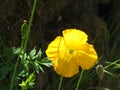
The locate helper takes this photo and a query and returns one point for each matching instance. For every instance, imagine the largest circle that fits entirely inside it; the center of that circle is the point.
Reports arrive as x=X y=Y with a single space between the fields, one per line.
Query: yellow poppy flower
x=71 y=51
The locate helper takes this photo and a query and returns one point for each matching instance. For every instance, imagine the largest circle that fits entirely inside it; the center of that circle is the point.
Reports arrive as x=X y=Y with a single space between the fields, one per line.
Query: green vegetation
x=20 y=67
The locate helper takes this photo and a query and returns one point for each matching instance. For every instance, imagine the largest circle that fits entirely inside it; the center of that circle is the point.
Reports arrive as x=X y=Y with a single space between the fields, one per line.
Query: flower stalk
x=25 y=44
x=29 y=25
x=79 y=80
x=60 y=83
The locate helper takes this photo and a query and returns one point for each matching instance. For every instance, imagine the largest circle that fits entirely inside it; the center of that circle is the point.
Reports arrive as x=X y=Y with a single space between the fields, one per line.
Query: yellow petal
x=74 y=38
x=86 y=57
x=54 y=48
x=65 y=68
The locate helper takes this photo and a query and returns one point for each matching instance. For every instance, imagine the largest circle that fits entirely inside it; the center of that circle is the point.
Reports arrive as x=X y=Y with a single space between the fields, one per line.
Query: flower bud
x=100 y=71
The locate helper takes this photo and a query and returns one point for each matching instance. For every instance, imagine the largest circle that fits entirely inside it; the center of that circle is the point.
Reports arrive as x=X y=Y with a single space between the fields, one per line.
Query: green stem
x=60 y=83
x=14 y=73
x=111 y=64
x=15 y=68
x=25 y=45
x=30 y=23
x=79 y=80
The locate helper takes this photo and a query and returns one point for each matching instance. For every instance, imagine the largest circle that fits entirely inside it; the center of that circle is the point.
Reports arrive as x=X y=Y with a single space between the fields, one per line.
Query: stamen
x=71 y=51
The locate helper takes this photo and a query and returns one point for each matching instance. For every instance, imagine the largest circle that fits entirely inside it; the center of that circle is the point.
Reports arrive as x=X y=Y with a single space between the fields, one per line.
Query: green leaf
x=36 y=67
x=23 y=73
x=26 y=65
x=41 y=69
x=32 y=54
x=46 y=62
x=117 y=66
x=23 y=84
x=8 y=53
x=31 y=78
x=110 y=73
x=4 y=70
x=29 y=82
x=23 y=57
x=16 y=50
x=39 y=54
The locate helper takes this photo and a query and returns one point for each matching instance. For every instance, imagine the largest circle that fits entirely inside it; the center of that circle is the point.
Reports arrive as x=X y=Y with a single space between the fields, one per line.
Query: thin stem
x=15 y=68
x=25 y=45
x=60 y=83
x=79 y=80
x=30 y=23
x=14 y=73
x=111 y=64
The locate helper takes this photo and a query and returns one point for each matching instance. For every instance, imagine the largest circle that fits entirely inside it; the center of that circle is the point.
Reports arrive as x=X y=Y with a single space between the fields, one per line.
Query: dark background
x=100 y=19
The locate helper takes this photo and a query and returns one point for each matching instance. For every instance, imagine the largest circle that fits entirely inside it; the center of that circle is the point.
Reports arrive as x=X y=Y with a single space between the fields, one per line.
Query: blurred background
x=100 y=19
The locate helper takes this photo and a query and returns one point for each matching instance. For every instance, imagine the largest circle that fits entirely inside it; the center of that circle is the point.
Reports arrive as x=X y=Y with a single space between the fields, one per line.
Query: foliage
x=29 y=64
x=29 y=82
x=33 y=62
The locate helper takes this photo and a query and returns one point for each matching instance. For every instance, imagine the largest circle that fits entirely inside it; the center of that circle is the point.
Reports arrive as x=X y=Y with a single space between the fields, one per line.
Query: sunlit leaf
x=46 y=62
x=39 y=54
x=32 y=54
x=36 y=67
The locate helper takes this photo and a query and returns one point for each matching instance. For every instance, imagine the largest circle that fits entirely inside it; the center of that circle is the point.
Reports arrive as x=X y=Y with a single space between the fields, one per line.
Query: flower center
x=71 y=51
